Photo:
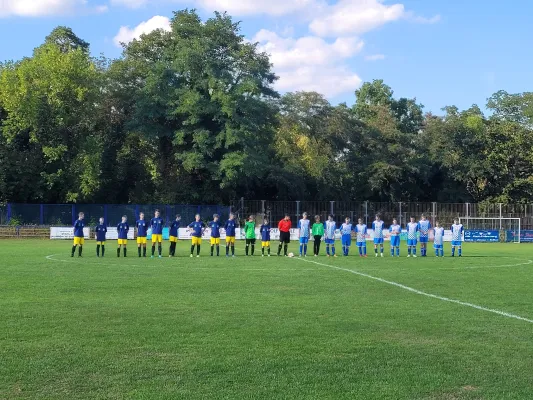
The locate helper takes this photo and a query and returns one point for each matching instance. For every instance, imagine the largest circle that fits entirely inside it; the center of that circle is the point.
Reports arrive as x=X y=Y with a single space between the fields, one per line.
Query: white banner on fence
x=59 y=232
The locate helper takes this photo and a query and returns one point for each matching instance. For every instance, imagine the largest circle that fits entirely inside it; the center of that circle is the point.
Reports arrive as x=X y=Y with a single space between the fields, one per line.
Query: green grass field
x=264 y=328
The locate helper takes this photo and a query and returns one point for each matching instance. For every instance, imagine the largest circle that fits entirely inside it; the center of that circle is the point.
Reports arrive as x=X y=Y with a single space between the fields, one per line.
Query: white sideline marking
x=529 y=262
x=419 y=292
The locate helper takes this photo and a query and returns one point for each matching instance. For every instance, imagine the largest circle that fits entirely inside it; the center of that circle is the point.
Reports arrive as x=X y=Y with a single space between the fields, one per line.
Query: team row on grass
x=417 y=232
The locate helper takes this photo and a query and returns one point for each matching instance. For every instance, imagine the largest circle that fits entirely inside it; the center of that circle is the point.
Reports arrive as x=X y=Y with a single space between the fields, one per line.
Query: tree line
x=191 y=116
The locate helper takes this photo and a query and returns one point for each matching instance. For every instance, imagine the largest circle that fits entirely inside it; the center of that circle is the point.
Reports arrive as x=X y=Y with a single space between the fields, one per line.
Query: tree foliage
x=190 y=115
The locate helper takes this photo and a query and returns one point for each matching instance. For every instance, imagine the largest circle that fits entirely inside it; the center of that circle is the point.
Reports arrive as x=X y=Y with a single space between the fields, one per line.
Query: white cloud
x=239 y=7
x=355 y=17
x=375 y=57
x=129 y=3
x=38 y=8
x=126 y=34
x=310 y=63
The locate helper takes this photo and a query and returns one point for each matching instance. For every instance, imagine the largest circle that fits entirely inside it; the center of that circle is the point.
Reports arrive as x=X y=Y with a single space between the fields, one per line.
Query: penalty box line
x=421 y=293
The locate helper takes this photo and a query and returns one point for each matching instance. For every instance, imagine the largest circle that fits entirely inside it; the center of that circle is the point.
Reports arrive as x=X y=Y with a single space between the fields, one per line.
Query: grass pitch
x=264 y=328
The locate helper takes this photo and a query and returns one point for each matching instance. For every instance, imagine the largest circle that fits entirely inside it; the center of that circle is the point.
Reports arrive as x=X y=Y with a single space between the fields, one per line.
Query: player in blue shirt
x=412 y=232
x=424 y=227
x=100 y=233
x=265 y=237
x=360 y=232
x=122 y=230
x=229 y=228
x=304 y=225
x=174 y=235
x=79 y=238
x=395 y=233
x=438 y=241
x=215 y=226
x=142 y=231
x=156 y=224
x=346 y=236
x=330 y=227
x=378 y=226
x=457 y=237
x=196 y=229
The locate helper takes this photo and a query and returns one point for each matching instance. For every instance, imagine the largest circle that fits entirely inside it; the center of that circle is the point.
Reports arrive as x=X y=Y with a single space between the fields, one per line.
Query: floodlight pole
x=500 y=204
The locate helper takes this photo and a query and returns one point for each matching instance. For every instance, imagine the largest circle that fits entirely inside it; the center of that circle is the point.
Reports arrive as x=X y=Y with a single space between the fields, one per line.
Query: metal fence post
x=105 y=215
x=263 y=208
x=8 y=213
x=366 y=212
x=41 y=214
x=400 y=203
x=331 y=207
x=500 y=204
x=467 y=214
x=297 y=209
x=74 y=214
x=434 y=213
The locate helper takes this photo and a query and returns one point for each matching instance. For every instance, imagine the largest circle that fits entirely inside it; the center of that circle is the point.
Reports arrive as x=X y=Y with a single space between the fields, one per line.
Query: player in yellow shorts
x=265 y=237
x=142 y=230
x=229 y=228
x=215 y=234
x=79 y=239
x=100 y=233
x=174 y=235
x=156 y=224
x=196 y=229
x=122 y=230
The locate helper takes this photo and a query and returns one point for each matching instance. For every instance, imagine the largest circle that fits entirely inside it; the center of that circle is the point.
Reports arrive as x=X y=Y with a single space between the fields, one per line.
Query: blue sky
x=443 y=52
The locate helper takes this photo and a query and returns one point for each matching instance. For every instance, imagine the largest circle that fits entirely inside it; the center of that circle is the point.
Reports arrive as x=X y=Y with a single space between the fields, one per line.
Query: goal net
x=508 y=228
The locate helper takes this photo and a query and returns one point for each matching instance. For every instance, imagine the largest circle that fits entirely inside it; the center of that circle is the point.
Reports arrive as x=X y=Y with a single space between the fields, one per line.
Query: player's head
x=124 y=218
x=287 y=217
x=81 y=215
x=455 y=221
x=216 y=217
x=394 y=221
x=141 y=216
x=101 y=220
x=265 y=221
x=412 y=219
x=423 y=217
x=437 y=224
x=330 y=217
x=317 y=218
x=197 y=217
x=360 y=220
x=251 y=218
x=378 y=217
x=157 y=213
x=231 y=216
x=304 y=215
x=347 y=219
x=178 y=217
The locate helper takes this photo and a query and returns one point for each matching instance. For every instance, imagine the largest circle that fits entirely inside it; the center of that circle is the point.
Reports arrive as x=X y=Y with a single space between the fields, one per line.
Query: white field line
x=421 y=293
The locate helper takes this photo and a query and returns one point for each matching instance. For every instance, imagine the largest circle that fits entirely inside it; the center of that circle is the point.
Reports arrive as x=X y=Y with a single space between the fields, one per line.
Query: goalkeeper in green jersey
x=249 y=231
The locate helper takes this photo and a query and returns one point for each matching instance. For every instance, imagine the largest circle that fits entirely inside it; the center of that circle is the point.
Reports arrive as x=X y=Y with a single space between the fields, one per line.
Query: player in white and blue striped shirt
x=346 y=236
x=424 y=227
x=395 y=233
x=378 y=225
x=360 y=232
x=304 y=225
x=330 y=226
x=457 y=237
x=412 y=232
x=438 y=241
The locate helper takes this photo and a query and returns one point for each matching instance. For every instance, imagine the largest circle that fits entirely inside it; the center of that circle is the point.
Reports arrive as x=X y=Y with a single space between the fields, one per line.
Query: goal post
x=509 y=228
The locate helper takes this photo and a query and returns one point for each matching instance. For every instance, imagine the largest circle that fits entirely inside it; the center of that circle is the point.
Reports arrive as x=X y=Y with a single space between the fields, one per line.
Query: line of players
x=318 y=230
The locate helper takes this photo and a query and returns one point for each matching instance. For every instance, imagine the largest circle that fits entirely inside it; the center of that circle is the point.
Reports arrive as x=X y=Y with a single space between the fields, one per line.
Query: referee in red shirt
x=284 y=227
